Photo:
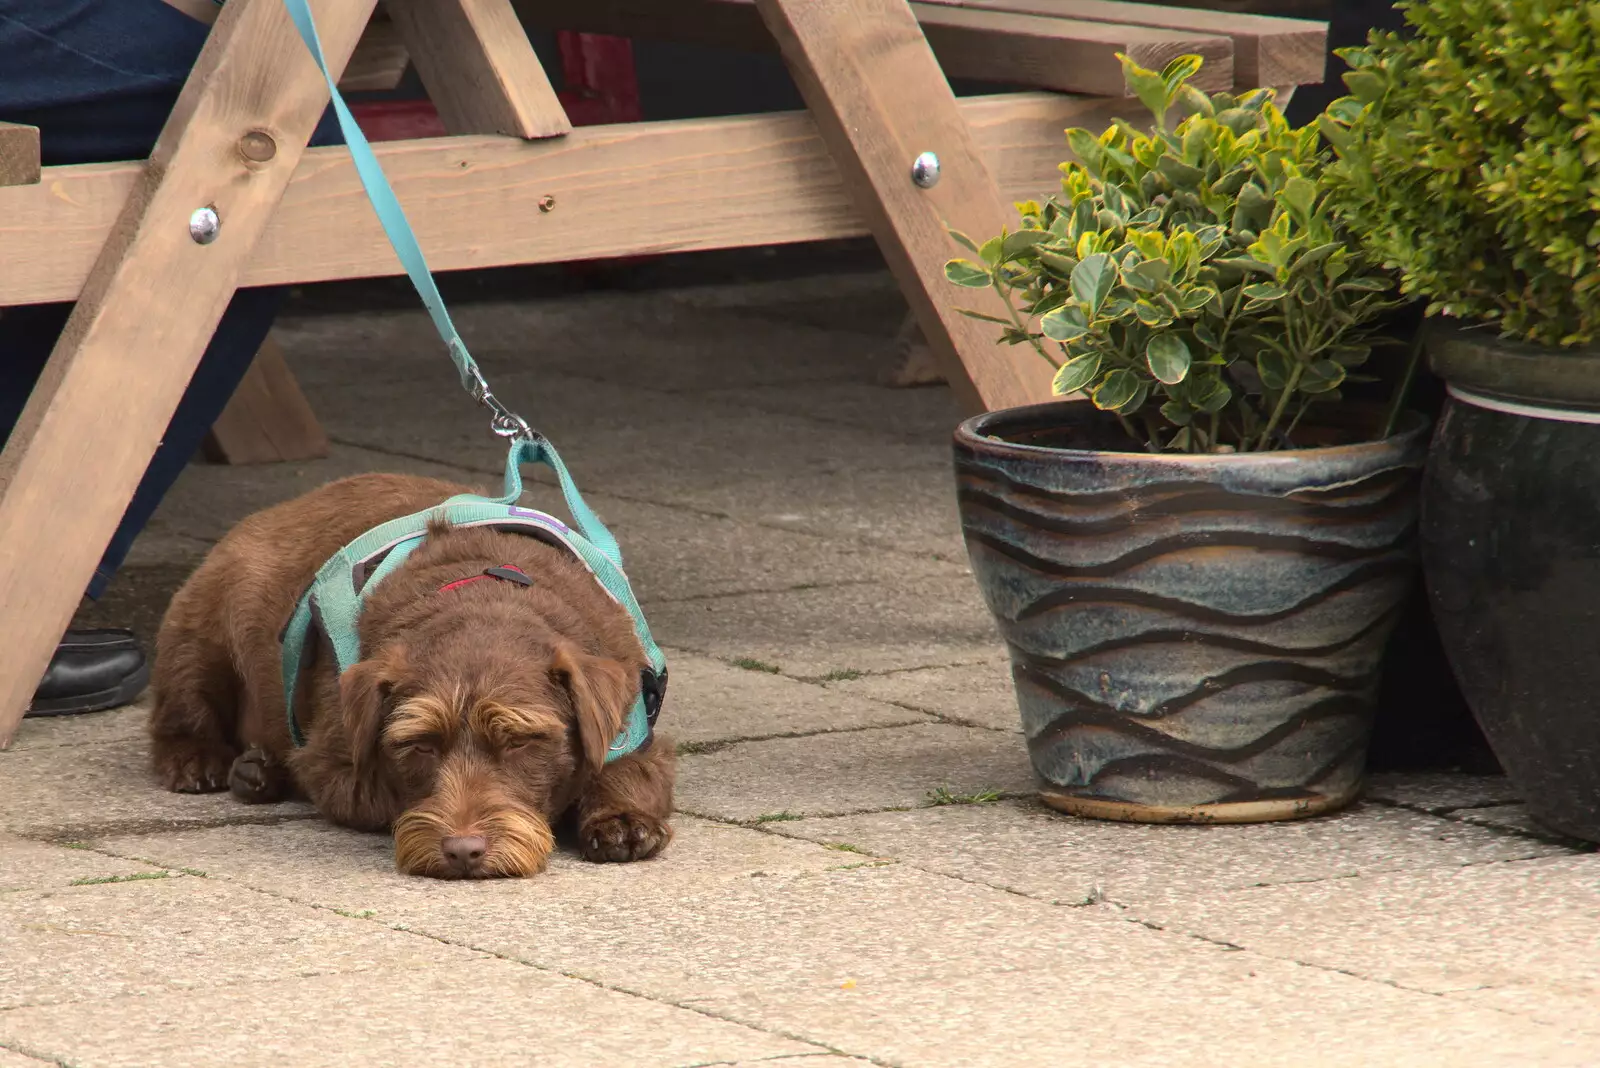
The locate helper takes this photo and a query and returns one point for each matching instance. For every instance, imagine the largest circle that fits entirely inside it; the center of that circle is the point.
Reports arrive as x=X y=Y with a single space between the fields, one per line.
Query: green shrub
x=1190 y=279
x=1469 y=159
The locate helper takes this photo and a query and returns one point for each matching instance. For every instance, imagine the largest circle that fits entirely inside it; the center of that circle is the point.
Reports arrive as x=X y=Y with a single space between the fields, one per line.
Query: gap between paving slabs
x=426 y=889
x=492 y=924
x=893 y=837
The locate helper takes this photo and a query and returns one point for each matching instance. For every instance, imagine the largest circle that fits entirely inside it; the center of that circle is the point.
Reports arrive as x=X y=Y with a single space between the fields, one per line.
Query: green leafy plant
x=1468 y=157
x=1189 y=279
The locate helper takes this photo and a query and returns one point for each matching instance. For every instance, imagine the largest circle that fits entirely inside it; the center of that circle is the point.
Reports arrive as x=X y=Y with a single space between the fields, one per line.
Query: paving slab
x=923 y=621
x=1517 y=936
x=910 y=510
x=862 y=302
x=482 y=1012
x=1028 y=849
x=316 y=863
x=165 y=546
x=1440 y=792
x=26 y=865
x=673 y=554
x=797 y=1060
x=1510 y=818
x=13 y=1059
x=710 y=702
x=178 y=932
x=613 y=436
x=855 y=771
x=671 y=340
x=980 y=695
x=925 y=415
x=111 y=725
x=1225 y=1011
x=914 y=968
x=78 y=791
x=208 y=500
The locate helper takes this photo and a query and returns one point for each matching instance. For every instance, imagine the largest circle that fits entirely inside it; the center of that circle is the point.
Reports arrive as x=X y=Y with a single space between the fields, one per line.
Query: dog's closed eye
x=523 y=740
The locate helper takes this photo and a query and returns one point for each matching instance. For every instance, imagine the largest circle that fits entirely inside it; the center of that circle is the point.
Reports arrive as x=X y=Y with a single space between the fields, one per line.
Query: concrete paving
x=861 y=874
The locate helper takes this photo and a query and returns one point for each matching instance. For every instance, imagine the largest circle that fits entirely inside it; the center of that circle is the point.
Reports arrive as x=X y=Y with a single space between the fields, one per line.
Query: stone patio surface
x=861 y=873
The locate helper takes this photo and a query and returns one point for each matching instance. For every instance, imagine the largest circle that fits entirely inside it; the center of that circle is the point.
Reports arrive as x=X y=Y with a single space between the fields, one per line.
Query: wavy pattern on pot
x=1192 y=630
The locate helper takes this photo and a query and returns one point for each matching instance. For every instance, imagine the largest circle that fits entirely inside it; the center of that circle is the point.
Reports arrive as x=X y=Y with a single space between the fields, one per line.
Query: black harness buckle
x=654 y=688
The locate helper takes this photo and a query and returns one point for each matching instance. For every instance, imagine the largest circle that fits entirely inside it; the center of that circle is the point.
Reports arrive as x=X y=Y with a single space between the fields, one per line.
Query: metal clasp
x=503 y=421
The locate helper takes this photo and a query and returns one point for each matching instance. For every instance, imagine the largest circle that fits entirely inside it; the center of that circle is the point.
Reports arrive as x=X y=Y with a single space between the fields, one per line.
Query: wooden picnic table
x=115 y=238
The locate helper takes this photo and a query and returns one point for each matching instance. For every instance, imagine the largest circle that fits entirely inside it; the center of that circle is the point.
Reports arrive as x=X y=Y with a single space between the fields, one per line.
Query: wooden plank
x=1006 y=47
x=1267 y=50
x=479 y=67
x=377 y=64
x=879 y=100
x=19 y=154
x=205 y=11
x=379 y=61
x=145 y=316
x=267 y=420
x=1063 y=54
x=660 y=187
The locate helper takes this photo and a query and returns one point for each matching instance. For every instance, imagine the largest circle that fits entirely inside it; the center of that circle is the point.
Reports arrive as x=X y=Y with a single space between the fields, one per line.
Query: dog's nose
x=464 y=853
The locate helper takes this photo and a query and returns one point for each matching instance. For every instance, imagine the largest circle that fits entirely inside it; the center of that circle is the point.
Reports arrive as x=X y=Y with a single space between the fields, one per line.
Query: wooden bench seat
x=1063 y=45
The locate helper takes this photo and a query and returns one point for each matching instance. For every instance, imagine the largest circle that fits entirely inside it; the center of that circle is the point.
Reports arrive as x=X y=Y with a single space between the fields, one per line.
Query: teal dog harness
x=334 y=601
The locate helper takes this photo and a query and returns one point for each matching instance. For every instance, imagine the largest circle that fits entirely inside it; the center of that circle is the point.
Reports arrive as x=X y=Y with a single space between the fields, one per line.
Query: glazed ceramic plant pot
x=1193 y=638
x=1511 y=554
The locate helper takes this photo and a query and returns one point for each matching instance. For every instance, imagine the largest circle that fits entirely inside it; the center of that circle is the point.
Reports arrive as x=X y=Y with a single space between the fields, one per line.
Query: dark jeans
x=99 y=77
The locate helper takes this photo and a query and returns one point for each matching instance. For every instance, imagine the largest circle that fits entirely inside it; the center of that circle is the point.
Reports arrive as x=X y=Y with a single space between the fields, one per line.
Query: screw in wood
x=204 y=224
x=925 y=170
x=257 y=146
x=547 y=204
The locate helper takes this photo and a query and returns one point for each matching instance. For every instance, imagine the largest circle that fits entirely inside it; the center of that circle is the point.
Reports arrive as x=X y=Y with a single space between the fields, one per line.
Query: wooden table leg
x=146 y=314
x=479 y=67
x=267 y=420
x=880 y=100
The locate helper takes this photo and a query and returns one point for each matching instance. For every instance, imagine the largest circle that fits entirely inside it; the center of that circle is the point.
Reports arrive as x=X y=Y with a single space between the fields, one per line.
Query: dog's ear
x=364 y=696
x=602 y=690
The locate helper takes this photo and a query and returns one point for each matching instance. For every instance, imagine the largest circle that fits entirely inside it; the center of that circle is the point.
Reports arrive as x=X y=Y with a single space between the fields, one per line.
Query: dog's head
x=483 y=738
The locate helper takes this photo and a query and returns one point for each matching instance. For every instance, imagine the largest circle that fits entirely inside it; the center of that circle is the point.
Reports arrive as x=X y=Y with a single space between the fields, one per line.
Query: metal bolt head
x=925 y=170
x=257 y=146
x=204 y=224
x=547 y=204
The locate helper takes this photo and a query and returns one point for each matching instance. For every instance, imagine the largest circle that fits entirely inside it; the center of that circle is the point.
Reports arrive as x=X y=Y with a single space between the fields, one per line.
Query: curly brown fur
x=477 y=717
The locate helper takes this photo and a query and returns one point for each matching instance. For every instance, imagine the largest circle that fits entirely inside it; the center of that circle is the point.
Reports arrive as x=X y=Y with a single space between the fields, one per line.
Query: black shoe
x=92 y=670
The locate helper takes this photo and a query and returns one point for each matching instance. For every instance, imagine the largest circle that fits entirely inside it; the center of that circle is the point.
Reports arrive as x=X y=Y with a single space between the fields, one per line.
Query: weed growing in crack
x=941 y=796
x=134 y=878
x=861 y=864
x=750 y=664
x=845 y=847
x=777 y=817
x=844 y=675
x=364 y=914
x=686 y=748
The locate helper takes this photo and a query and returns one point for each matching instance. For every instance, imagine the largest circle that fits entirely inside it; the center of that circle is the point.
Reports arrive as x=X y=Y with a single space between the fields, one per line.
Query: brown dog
x=480 y=714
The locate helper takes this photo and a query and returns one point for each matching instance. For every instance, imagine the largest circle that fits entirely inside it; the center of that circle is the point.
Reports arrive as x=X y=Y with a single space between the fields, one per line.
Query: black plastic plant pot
x=1511 y=555
x=1192 y=638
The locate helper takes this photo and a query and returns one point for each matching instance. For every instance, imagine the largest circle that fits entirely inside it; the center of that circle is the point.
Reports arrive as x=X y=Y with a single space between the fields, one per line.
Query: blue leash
x=596 y=547
x=507 y=423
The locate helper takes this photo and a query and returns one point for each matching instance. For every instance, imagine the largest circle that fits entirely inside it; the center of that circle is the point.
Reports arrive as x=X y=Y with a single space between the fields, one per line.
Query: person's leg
x=101 y=79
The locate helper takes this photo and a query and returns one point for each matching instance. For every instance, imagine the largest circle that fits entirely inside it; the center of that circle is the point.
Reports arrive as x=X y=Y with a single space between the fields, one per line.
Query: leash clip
x=502 y=420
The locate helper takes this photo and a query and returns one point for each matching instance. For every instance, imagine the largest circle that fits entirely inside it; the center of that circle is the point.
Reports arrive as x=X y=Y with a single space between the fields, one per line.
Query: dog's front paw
x=189 y=765
x=622 y=837
x=257 y=779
